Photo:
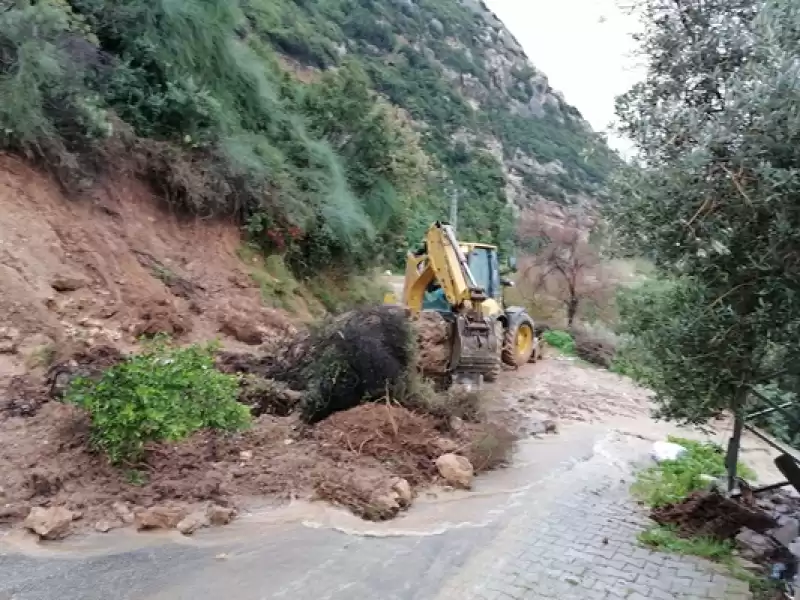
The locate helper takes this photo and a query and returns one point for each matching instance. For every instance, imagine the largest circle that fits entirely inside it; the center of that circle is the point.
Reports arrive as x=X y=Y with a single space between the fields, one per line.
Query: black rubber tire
x=510 y=354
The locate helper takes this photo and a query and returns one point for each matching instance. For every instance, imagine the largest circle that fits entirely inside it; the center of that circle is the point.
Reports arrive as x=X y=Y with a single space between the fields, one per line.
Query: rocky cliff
x=489 y=96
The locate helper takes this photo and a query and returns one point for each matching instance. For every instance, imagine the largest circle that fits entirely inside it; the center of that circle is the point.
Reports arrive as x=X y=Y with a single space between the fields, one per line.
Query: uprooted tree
x=714 y=201
x=566 y=265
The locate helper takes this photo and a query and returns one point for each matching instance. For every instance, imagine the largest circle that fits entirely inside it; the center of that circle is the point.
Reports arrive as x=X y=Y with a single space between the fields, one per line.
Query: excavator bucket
x=475 y=349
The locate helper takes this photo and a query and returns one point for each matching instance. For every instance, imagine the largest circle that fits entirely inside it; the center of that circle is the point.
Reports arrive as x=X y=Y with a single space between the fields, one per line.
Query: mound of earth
x=355 y=458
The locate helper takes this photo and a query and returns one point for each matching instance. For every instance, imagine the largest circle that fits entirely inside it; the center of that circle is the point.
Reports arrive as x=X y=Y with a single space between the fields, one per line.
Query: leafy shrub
x=673 y=480
x=562 y=340
x=162 y=394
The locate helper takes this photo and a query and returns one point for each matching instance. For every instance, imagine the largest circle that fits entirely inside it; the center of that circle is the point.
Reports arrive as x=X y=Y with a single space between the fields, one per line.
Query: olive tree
x=714 y=200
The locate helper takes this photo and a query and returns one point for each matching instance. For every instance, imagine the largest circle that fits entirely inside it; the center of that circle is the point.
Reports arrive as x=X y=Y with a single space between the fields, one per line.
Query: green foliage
x=673 y=480
x=714 y=205
x=666 y=539
x=560 y=339
x=202 y=99
x=162 y=394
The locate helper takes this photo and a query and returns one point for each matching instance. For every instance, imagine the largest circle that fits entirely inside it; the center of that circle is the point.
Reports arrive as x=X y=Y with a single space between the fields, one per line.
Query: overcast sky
x=584 y=48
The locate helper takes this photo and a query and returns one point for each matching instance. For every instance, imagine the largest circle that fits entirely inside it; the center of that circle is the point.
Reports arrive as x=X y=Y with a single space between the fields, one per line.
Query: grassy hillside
x=193 y=96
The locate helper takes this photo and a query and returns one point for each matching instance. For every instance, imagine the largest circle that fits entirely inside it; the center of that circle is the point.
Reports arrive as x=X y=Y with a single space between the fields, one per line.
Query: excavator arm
x=441 y=261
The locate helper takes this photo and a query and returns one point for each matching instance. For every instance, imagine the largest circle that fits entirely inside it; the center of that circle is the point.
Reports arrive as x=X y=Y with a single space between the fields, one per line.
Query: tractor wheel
x=498 y=366
x=518 y=345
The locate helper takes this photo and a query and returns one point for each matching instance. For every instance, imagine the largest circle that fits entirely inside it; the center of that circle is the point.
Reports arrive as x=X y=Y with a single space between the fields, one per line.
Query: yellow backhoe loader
x=461 y=281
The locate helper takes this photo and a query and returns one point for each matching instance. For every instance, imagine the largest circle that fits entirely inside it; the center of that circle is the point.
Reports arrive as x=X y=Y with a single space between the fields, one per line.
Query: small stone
x=221 y=556
x=197 y=520
x=550 y=426
x=456 y=424
x=67 y=283
x=49 y=523
x=104 y=526
x=403 y=490
x=158 y=517
x=446 y=446
x=246 y=454
x=220 y=515
x=456 y=470
x=123 y=512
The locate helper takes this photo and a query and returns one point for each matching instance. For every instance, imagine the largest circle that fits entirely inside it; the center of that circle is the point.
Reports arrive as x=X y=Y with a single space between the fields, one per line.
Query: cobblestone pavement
x=584 y=547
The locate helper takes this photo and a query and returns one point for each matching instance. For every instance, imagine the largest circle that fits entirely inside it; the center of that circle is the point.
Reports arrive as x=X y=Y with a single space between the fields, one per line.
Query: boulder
x=192 y=522
x=158 y=517
x=402 y=488
x=456 y=470
x=123 y=512
x=220 y=515
x=49 y=523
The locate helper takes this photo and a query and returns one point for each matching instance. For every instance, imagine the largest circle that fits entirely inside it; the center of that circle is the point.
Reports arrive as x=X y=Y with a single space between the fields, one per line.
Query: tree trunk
x=734 y=444
x=572 y=310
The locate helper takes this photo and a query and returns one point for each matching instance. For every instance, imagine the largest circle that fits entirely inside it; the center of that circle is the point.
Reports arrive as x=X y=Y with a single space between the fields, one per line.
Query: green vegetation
x=561 y=340
x=198 y=98
x=673 y=480
x=162 y=394
x=714 y=206
x=667 y=540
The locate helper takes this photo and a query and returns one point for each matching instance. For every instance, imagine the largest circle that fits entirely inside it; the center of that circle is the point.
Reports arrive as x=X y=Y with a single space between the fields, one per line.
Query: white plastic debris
x=667 y=451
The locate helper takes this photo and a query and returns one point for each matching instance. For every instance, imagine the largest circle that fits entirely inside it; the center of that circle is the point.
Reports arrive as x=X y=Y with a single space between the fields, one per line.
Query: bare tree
x=566 y=265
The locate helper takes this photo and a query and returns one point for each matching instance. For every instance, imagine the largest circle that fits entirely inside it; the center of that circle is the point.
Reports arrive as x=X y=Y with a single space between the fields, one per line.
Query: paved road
x=571 y=534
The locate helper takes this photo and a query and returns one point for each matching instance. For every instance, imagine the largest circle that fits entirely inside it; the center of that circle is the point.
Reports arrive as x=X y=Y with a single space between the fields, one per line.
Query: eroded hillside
x=110 y=266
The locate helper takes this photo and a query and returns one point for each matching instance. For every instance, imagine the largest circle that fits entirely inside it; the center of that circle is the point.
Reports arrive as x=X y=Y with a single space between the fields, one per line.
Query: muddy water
x=434 y=512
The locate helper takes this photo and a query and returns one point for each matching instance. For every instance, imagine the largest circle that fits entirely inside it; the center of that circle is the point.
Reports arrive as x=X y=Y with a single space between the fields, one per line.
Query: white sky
x=584 y=48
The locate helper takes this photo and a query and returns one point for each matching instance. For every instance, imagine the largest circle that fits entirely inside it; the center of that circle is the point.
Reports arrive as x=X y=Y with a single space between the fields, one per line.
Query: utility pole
x=453 y=206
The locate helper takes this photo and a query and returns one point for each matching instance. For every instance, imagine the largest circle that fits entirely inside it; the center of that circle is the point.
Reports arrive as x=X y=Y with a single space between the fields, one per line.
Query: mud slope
x=109 y=265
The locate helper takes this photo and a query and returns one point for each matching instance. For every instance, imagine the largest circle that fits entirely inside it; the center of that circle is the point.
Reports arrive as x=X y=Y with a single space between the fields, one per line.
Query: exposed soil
x=712 y=514
x=110 y=265
x=350 y=459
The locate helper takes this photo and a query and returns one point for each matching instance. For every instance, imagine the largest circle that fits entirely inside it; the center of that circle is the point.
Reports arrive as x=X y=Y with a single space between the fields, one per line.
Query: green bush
x=673 y=480
x=162 y=394
x=562 y=340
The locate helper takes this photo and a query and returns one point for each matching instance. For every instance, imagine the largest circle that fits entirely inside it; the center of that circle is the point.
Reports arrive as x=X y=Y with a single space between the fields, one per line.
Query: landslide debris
x=312 y=437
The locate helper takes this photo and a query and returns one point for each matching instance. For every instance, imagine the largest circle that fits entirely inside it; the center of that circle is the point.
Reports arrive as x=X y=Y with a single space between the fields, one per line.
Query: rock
x=550 y=426
x=383 y=506
x=49 y=523
x=788 y=531
x=158 y=517
x=11 y=513
x=437 y=26
x=402 y=488
x=456 y=424
x=754 y=546
x=191 y=523
x=220 y=515
x=456 y=470
x=246 y=454
x=446 y=446
x=68 y=283
x=104 y=526
x=123 y=512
